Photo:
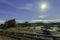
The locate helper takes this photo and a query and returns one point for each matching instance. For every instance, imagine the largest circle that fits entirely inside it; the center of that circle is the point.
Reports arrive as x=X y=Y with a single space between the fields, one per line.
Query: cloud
x=2 y=21
x=42 y=16
x=46 y=21
x=20 y=21
x=33 y=21
x=27 y=7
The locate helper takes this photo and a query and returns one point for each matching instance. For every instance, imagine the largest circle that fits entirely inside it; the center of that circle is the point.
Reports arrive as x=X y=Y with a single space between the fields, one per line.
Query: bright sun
x=43 y=6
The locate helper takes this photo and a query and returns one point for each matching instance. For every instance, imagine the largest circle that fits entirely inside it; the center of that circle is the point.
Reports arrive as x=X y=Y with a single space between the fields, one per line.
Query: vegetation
x=11 y=26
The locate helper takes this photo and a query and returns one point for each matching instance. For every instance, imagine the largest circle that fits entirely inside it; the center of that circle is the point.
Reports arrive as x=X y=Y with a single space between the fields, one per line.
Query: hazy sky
x=29 y=9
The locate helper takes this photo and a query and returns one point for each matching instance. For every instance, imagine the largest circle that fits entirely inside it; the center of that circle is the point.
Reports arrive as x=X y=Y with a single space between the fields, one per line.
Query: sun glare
x=43 y=6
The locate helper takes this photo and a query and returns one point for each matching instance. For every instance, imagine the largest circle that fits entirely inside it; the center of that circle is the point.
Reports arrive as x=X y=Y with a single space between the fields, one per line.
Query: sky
x=29 y=10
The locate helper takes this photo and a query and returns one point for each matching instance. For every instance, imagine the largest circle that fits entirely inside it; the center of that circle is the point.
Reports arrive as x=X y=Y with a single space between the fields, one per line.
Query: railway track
x=26 y=36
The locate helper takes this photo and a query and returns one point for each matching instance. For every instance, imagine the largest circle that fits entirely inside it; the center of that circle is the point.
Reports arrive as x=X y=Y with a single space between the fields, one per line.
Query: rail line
x=27 y=36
